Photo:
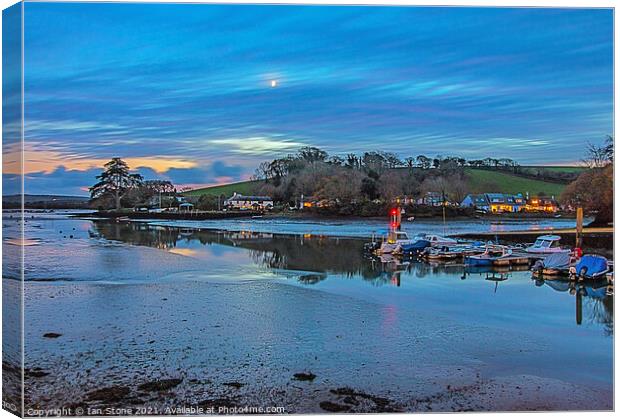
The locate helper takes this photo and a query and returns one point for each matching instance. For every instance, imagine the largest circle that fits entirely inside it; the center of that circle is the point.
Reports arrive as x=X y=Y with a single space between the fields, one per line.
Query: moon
x=273 y=83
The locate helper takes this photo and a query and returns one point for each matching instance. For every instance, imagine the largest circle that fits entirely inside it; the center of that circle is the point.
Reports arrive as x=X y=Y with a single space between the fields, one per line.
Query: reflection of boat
x=554 y=265
x=590 y=267
x=546 y=244
x=591 y=288
x=494 y=255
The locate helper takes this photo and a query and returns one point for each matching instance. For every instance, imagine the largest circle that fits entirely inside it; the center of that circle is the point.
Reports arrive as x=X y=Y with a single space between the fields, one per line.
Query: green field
x=243 y=188
x=481 y=181
x=557 y=169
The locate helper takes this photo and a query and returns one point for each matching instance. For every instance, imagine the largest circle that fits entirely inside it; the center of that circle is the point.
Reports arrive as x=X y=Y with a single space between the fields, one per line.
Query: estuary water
x=254 y=306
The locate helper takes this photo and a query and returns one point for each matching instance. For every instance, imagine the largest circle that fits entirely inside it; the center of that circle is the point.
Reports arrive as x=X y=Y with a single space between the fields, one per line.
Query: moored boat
x=413 y=248
x=590 y=267
x=492 y=256
x=547 y=244
x=554 y=265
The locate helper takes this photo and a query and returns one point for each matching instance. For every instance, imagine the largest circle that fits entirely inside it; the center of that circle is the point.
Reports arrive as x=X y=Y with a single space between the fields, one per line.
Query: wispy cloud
x=189 y=85
x=258 y=145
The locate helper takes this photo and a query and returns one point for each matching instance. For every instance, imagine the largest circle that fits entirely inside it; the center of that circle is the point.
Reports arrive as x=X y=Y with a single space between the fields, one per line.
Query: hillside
x=244 y=188
x=479 y=181
x=493 y=181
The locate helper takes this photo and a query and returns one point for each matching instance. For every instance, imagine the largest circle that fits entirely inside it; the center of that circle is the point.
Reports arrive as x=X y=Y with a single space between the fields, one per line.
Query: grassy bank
x=480 y=181
x=244 y=188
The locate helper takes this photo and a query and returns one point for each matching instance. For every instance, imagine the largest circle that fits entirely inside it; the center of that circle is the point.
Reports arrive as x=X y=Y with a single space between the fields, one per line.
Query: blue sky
x=183 y=91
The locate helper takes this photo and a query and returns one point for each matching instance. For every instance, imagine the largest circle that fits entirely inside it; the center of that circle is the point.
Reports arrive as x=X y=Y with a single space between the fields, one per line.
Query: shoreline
x=138 y=367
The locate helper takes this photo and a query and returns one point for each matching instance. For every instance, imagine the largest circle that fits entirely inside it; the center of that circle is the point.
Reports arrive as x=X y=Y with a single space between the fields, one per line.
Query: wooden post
x=579 y=228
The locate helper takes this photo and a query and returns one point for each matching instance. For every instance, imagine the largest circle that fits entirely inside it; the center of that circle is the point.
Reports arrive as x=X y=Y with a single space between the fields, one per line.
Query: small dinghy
x=590 y=267
x=493 y=255
x=555 y=265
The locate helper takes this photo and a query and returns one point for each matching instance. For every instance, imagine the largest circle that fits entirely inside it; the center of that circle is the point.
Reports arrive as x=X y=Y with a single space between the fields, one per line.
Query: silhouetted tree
x=115 y=181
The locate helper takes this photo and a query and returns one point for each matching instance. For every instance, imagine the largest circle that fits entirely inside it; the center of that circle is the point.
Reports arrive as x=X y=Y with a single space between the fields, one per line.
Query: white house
x=238 y=201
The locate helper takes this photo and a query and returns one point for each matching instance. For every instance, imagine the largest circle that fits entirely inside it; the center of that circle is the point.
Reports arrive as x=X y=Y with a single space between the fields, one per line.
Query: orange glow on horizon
x=48 y=161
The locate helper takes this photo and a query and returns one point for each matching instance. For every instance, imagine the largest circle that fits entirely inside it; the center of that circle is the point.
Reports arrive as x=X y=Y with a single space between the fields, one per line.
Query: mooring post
x=579 y=228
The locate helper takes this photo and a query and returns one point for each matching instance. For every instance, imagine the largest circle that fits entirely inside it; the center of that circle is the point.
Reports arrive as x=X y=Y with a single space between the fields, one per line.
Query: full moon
x=274 y=83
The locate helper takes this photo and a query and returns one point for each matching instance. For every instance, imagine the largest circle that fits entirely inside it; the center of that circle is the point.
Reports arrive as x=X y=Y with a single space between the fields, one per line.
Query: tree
x=423 y=162
x=312 y=154
x=115 y=181
x=368 y=188
x=600 y=156
x=594 y=191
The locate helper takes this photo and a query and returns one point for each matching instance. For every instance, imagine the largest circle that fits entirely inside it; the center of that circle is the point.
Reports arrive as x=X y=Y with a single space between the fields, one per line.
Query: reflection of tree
x=320 y=254
x=595 y=299
x=601 y=310
x=137 y=234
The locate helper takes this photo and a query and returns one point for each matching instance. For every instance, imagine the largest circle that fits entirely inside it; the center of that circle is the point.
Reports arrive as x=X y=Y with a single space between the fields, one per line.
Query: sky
x=184 y=92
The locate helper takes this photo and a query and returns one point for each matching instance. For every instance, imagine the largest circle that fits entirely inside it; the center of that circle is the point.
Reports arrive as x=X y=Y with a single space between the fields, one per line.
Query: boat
x=436 y=240
x=547 y=244
x=412 y=248
x=554 y=265
x=395 y=240
x=590 y=267
x=494 y=255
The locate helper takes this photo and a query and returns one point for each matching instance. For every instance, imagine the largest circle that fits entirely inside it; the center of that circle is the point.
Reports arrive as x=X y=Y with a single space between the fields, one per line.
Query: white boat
x=393 y=242
x=397 y=238
x=436 y=240
x=546 y=244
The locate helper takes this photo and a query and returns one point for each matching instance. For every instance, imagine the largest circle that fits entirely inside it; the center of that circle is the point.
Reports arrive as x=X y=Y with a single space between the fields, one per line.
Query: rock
x=36 y=373
x=160 y=385
x=333 y=407
x=52 y=335
x=109 y=394
x=304 y=376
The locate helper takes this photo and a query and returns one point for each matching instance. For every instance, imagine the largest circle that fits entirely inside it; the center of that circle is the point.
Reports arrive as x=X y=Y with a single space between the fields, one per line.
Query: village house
x=243 y=202
x=495 y=202
x=478 y=201
x=433 y=199
x=542 y=204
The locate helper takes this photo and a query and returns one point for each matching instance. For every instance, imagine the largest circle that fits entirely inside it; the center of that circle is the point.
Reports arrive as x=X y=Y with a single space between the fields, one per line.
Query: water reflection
x=596 y=295
x=312 y=259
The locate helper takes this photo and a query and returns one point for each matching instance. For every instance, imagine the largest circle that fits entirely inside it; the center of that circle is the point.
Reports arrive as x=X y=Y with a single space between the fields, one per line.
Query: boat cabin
x=397 y=236
x=548 y=241
x=546 y=244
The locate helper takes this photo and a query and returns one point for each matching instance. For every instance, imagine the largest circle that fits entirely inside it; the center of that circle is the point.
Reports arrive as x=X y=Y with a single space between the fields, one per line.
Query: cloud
x=76 y=182
x=259 y=145
x=404 y=79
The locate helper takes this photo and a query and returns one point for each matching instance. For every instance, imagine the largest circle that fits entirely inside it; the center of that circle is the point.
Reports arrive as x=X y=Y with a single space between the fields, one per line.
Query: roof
x=549 y=237
x=478 y=198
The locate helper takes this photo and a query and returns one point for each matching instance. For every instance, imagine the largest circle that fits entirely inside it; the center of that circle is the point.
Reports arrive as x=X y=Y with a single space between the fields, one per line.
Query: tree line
x=370 y=176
